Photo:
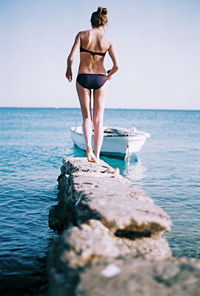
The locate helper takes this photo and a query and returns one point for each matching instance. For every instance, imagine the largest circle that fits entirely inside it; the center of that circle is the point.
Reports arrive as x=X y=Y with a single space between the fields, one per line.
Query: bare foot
x=97 y=160
x=90 y=155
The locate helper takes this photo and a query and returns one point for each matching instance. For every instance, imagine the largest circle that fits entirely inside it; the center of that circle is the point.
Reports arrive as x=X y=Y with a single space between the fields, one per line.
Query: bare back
x=95 y=41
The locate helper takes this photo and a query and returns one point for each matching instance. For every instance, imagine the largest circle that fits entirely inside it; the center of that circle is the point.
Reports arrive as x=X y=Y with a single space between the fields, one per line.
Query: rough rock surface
x=79 y=246
x=97 y=191
x=112 y=238
x=180 y=277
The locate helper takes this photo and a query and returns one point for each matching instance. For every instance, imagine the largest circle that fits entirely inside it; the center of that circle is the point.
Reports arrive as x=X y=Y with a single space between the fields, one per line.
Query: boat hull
x=114 y=146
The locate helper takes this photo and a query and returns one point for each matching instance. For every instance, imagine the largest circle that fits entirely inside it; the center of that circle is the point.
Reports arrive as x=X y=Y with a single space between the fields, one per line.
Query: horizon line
x=110 y=108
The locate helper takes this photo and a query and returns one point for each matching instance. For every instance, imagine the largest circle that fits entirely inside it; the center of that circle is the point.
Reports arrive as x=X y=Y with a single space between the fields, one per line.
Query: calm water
x=33 y=143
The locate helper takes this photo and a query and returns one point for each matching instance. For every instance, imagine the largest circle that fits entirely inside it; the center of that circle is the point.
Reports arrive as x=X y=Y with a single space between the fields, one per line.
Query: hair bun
x=102 y=11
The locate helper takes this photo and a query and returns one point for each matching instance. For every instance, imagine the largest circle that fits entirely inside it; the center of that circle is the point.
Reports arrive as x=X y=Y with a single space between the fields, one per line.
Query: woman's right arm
x=113 y=56
x=70 y=58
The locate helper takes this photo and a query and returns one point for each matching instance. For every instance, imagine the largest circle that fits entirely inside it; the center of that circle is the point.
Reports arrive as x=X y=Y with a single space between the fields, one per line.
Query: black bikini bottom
x=91 y=81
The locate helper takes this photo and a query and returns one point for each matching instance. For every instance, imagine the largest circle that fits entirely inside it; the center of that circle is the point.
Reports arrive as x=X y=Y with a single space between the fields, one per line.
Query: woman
x=93 y=45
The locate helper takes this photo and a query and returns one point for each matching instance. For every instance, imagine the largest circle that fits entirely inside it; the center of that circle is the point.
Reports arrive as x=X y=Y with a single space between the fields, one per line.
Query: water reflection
x=136 y=171
x=77 y=152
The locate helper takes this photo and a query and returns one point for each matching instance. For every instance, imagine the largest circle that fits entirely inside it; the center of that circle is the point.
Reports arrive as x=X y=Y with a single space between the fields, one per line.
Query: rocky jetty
x=112 y=238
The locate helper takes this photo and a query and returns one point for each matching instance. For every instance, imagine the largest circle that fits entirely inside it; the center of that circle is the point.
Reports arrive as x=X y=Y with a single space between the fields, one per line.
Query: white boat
x=117 y=142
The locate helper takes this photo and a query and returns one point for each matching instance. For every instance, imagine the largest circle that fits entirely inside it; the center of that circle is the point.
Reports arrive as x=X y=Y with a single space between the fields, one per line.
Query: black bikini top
x=93 y=52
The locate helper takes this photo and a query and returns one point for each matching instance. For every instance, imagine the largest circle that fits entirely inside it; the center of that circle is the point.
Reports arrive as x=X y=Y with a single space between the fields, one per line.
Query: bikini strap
x=92 y=52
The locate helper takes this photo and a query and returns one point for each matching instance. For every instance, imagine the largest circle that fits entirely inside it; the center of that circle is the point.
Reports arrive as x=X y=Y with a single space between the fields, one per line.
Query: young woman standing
x=93 y=45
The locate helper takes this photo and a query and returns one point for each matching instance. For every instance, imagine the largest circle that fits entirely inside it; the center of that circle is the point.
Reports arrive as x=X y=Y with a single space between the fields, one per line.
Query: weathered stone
x=95 y=190
x=113 y=239
x=93 y=241
x=180 y=277
x=61 y=216
x=122 y=275
x=80 y=164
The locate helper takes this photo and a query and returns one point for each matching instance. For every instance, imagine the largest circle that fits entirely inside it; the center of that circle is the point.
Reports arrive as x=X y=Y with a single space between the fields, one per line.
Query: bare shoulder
x=83 y=33
x=110 y=41
x=105 y=40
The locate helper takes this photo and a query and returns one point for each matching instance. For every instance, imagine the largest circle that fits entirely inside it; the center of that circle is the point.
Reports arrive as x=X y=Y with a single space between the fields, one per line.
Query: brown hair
x=99 y=17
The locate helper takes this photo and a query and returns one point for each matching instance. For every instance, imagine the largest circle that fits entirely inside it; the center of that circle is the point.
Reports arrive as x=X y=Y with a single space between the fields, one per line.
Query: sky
x=157 y=42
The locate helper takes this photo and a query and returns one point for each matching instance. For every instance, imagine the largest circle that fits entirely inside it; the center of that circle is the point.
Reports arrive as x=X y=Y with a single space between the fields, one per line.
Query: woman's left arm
x=114 y=58
x=70 y=58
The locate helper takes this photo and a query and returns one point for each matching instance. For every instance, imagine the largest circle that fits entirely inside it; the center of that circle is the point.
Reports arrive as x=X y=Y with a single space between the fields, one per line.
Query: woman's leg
x=84 y=95
x=99 y=105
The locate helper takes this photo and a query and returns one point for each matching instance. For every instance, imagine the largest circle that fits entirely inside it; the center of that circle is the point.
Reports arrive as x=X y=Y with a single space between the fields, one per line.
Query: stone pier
x=112 y=239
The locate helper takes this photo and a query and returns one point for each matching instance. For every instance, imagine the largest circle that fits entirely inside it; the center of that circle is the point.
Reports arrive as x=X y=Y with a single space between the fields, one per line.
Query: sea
x=33 y=142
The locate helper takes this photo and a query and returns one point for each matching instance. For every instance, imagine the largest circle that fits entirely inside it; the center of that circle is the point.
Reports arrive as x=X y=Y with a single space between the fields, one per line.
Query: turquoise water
x=33 y=143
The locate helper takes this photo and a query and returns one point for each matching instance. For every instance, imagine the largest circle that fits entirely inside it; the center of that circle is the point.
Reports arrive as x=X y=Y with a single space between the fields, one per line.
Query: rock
x=125 y=276
x=96 y=192
x=81 y=245
x=60 y=216
x=112 y=235
x=83 y=274
x=119 y=207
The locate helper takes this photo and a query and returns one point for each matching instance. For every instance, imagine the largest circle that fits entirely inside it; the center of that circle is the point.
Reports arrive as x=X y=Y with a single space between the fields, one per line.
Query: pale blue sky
x=158 y=44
